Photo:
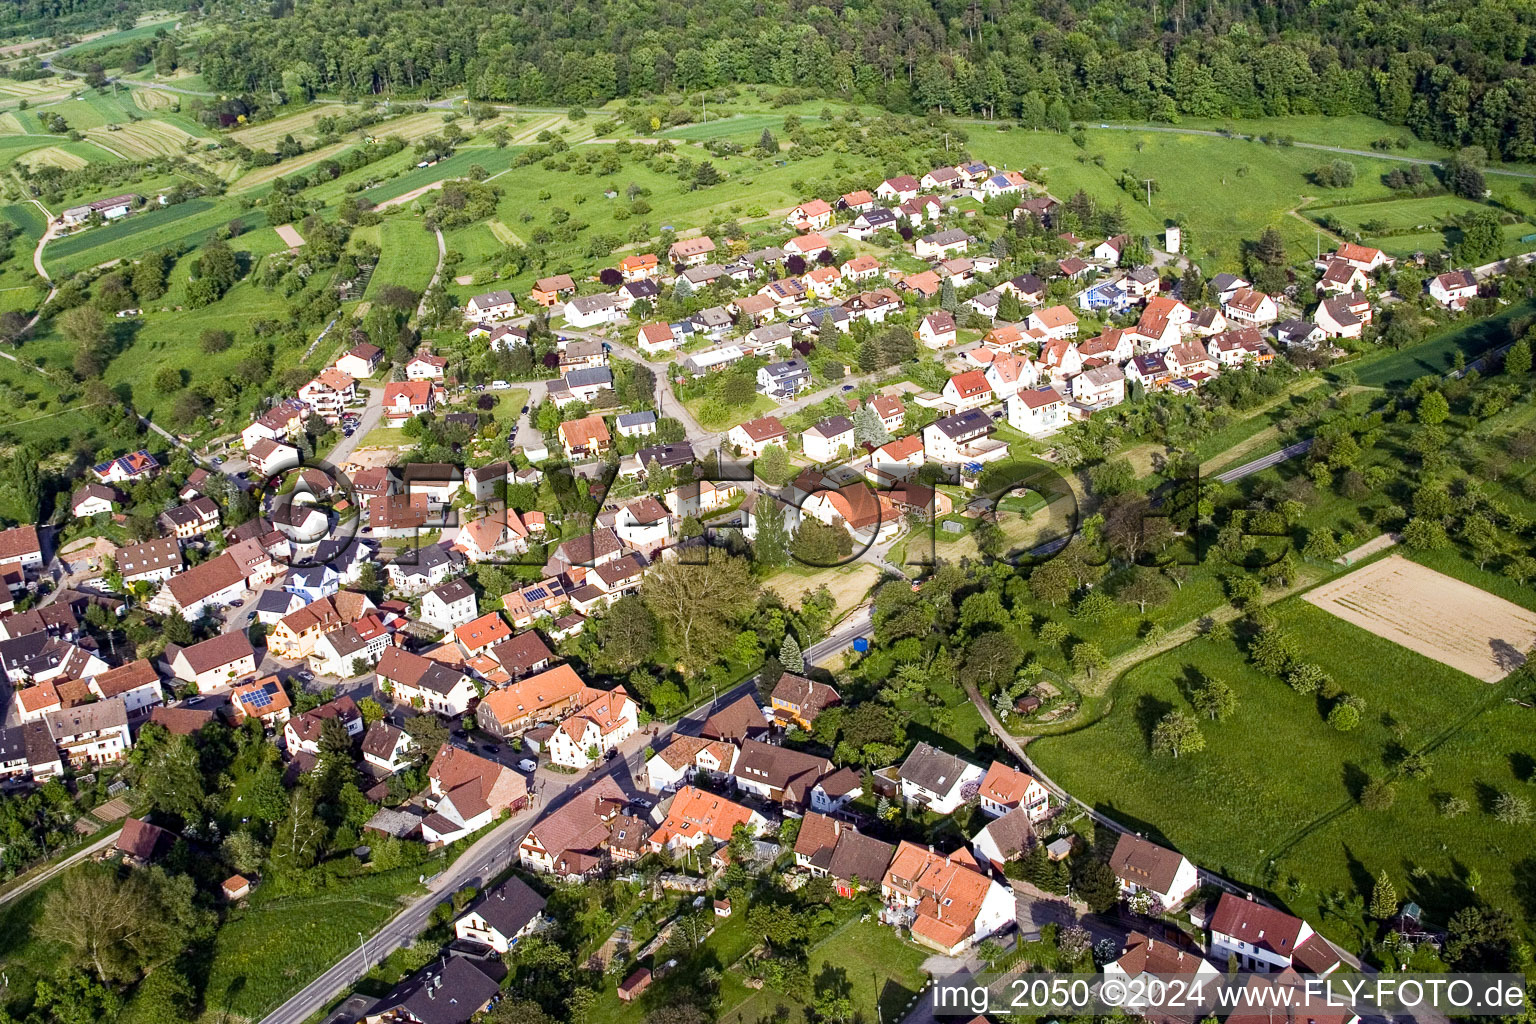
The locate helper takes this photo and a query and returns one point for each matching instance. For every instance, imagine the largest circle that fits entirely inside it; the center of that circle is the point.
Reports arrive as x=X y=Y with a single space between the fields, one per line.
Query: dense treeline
x=1456 y=71
x=38 y=18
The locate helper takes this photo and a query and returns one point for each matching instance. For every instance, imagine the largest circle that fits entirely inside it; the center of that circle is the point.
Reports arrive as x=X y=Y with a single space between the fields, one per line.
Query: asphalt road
x=1261 y=464
x=63 y=865
x=855 y=625
x=492 y=854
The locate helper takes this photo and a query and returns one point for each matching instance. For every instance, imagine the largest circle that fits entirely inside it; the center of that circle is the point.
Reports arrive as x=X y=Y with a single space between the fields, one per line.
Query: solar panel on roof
x=537 y=594
x=259 y=699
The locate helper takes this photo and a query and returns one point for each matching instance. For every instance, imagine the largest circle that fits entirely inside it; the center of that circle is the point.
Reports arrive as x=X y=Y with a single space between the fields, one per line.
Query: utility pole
x=1148 y=182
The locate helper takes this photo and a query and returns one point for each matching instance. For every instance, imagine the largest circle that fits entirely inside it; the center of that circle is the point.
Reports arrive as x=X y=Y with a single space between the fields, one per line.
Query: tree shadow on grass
x=1149 y=711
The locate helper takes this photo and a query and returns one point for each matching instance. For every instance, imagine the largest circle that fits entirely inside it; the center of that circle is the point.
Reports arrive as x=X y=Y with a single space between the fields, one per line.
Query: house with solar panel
x=262 y=699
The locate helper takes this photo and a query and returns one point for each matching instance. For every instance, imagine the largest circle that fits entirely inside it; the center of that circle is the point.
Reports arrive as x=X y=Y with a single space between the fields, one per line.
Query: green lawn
x=263 y=953
x=456 y=166
x=761 y=405
x=1272 y=798
x=1432 y=356
x=408 y=255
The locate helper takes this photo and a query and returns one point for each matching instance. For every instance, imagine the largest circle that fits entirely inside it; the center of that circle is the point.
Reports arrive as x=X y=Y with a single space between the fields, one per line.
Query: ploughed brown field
x=1432 y=614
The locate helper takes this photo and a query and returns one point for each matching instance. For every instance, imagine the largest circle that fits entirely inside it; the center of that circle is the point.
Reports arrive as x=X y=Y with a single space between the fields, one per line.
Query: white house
x=937 y=780
x=605 y=719
x=686 y=756
x=1453 y=290
x=1265 y=939
x=448 y=606
x=1149 y=958
x=822 y=442
x=496 y=305
x=1142 y=866
x=215 y=664
x=1038 y=411
x=1007 y=789
x=501 y=917
x=1249 y=306
x=1054 y=321
x=592 y=311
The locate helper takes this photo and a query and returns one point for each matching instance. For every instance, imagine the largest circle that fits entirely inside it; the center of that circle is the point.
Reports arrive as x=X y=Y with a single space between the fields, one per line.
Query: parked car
x=490 y=748
x=528 y=764
x=499 y=385
x=847 y=387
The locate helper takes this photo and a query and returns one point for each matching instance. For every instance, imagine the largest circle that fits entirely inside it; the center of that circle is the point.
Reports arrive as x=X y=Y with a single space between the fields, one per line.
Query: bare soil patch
x=290 y=236
x=1432 y=614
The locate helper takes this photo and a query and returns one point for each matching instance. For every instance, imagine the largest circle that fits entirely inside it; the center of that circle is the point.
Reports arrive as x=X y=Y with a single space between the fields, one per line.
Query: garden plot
x=1432 y=614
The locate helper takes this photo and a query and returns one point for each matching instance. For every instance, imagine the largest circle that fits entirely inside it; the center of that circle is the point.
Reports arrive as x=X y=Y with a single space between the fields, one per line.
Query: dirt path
x=415 y=193
x=1295 y=211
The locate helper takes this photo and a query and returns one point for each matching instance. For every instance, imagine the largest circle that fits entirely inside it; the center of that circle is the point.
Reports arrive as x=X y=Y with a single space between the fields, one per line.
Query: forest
x=1458 y=73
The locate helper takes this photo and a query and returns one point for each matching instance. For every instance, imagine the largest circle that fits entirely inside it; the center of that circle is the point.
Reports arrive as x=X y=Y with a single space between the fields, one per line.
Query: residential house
x=961 y=437
x=644 y=267
x=408 y=398
x=899 y=189
x=136 y=684
x=1109 y=250
x=505 y=336
x=937 y=780
x=91 y=734
x=263 y=699
x=499 y=532
x=533 y=601
x=1264 y=939
x=753 y=437
x=968 y=390
x=1297 y=333
x=1362 y=256
x=1142 y=866
x=855 y=508
x=778 y=774
x=545 y=697
x=603 y=720
x=497 y=305
x=827 y=439
x=361 y=361
x=941 y=243
x=193 y=519
x=798 y=701
x=425 y=366
x=344 y=652
x=28 y=755
x=784 y=379
x=1250 y=306
x=1054 y=321
x=329 y=393
x=830 y=848
x=944 y=899
x=740 y=720
x=1073 y=268
x=301 y=733
x=679 y=761
x=468 y=792
x=1337 y=319
x=452 y=990
x=813 y=215
x=1223 y=286
x=423 y=683
x=140 y=465
x=387 y=747
x=1208 y=321
x=1113 y=346
x=1190 y=360
x=587 y=311
x=585 y=438
x=215 y=664
x=1144 y=959
x=91 y=500
x=656 y=339
x=283 y=422
x=20 y=548
x=644 y=524
x=937 y=330
x=858 y=201
x=1002 y=839
x=153 y=561
x=895 y=460
x=1341 y=276
x=268 y=457
x=871 y=222
x=697 y=817
x=1453 y=290
x=502 y=916
x=213 y=584
x=1005 y=788
x=690 y=252
x=577 y=353
x=1038 y=411
x=478 y=634
x=571 y=841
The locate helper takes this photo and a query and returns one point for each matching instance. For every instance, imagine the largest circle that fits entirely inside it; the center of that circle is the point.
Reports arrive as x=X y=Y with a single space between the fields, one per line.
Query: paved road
x=853 y=626
x=1261 y=464
x=372 y=413
x=63 y=865
x=485 y=860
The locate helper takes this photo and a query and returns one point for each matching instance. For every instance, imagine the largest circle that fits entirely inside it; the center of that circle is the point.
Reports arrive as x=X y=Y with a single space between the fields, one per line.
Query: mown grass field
x=408 y=254
x=1273 y=797
x=1433 y=356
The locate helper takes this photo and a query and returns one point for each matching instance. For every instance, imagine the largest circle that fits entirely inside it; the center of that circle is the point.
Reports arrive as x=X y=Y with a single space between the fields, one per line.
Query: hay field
x=53 y=156
x=268 y=134
x=154 y=99
x=1432 y=614
x=143 y=140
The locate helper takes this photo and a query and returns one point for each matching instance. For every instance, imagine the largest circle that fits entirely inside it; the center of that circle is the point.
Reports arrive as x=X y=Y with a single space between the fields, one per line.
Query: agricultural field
x=408 y=254
x=301 y=126
x=1405 y=602
x=190 y=223
x=1272 y=800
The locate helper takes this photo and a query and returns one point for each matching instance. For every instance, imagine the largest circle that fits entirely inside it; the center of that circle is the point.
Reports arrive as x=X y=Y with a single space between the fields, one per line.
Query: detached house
x=498 y=305
x=784 y=379
x=968 y=390
x=545 y=697
x=937 y=330
x=20 y=548
x=592 y=310
x=585 y=438
x=386 y=747
x=1142 y=866
x=696 y=818
x=1037 y=411
x=798 y=701
x=936 y=780
x=1054 y=322
x=215 y=664
x=941 y=243
x=830 y=848
x=810 y=216
x=825 y=440
x=943 y=898
x=1453 y=290
x=1005 y=789
x=301 y=734
x=469 y=792
x=690 y=252
x=899 y=189
x=1336 y=318
x=1264 y=939
x=754 y=436
x=1249 y=306
x=360 y=361
x=962 y=437
x=505 y=914
x=679 y=761
x=605 y=719
x=408 y=398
